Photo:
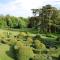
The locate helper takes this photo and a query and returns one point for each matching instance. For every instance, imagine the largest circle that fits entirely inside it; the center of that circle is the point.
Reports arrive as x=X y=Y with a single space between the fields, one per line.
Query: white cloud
x=22 y=7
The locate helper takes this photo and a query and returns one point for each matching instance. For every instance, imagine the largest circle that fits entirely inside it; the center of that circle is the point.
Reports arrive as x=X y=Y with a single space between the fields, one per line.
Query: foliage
x=42 y=57
x=24 y=52
x=39 y=45
x=13 y=22
x=29 y=41
x=47 y=19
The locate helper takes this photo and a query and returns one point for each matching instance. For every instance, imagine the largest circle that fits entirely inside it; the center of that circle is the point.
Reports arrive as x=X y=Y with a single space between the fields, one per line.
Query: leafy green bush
x=29 y=41
x=42 y=57
x=39 y=45
x=24 y=52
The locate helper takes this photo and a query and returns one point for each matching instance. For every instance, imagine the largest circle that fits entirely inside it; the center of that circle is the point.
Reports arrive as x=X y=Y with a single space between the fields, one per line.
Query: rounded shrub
x=24 y=52
x=39 y=45
x=42 y=57
x=29 y=41
x=22 y=34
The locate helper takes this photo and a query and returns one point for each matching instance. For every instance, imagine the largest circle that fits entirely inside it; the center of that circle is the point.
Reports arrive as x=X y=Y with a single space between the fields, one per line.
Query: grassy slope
x=3 y=52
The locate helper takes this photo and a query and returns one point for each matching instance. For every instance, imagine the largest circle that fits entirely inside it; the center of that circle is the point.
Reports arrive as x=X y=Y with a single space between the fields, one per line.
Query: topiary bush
x=42 y=57
x=29 y=41
x=23 y=52
x=22 y=34
x=39 y=45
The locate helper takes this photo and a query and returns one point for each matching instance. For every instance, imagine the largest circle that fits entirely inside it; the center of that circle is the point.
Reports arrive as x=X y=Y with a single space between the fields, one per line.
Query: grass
x=3 y=52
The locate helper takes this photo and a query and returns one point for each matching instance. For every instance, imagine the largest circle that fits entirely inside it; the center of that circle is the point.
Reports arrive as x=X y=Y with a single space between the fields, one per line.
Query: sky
x=23 y=7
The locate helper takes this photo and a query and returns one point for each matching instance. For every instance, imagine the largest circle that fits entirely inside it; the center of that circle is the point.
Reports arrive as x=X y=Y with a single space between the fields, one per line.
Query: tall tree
x=47 y=16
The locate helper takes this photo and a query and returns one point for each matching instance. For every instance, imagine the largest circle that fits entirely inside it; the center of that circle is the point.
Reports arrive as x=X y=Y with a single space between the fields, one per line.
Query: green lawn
x=4 y=52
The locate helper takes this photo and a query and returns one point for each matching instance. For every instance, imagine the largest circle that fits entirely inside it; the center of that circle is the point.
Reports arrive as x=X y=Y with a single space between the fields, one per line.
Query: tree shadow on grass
x=11 y=53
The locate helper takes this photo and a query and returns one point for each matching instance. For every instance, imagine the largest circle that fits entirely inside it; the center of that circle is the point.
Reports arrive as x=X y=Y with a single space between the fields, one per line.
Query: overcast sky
x=23 y=7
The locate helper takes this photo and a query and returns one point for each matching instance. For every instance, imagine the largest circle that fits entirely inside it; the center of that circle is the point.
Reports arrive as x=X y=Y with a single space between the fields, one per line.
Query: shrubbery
x=26 y=47
x=23 y=52
x=39 y=45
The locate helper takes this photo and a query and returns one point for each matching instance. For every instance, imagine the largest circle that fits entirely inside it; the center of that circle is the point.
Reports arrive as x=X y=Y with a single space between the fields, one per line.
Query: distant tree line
x=13 y=22
x=45 y=19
